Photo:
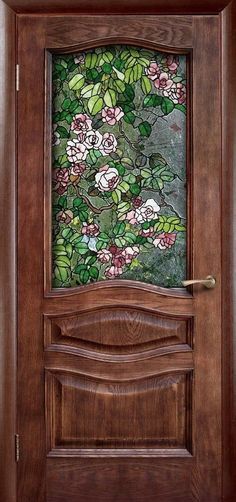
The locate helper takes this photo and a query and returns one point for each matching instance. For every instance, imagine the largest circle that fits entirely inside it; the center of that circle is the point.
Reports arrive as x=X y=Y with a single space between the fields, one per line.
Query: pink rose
x=109 y=144
x=130 y=253
x=113 y=272
x=118 y=260
x=177 y=93
x=81 y=123
x=55 y=136
x=112 y=115
x=65 y=216
x=76 y=151
x=137 y=201
x=61 y=178
x=163 y=82
x=147 y=232
x=104 y=255
x=131 y=217
x=172 y=62
x=78 y=169
x=107 y=178
x=79 y=59
x=164 y=240
x=153 y=71
x=91 y=230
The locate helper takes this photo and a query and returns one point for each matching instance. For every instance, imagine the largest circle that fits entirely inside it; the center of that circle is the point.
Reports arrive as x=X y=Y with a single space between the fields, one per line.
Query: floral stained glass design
x=119 y=167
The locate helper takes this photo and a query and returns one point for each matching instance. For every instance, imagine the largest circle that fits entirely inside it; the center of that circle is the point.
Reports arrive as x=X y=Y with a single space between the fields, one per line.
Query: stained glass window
x=119 y=166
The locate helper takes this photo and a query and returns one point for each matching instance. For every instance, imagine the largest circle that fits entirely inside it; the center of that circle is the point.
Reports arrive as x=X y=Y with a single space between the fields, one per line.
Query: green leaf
x=95 y=105
x=107 y=56
x=81 y=248
x=167 y=106
x=133 y=74
x=90 y=260
x=77 y=201
x=146 y=173
x=107 y=68
x=63 y=132
x=80 y=267
x=69 y=249
x=75 y=106
x=145 y=129
x=130 y=237
x=61 y=274
x=116 y=196
x=135 y=189
x=62 y=201
x=93 y=272
x=91 y=59
x=123 y=186
x=119 y=85
x=84 y=276
x=140 y=160
x=129 y=117
x=146 y=85
x=62 y=261
x=152 y=100
x=156 y=159
x=182 y=108
x=120 y=168
x=87 y=91
x=110 y=98
x=92 y=74
x=119 y=229
x=93 y=156
x=122 y=208
x=180 y=228
x=129 y=93
x=76 y=82
x=66 y=104
x=67 y=233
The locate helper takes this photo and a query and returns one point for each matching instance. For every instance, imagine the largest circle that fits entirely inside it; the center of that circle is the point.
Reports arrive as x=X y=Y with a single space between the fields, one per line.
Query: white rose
x=109 y=144
x=93 y=139
x=107 y=178
x=147 y=212
x=76 y=151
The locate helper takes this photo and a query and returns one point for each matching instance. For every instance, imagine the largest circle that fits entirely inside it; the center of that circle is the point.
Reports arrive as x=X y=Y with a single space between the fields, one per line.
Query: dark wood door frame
x=8 y=205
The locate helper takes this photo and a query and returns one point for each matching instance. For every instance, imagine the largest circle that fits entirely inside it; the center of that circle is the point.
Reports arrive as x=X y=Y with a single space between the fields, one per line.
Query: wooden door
x=119 y=374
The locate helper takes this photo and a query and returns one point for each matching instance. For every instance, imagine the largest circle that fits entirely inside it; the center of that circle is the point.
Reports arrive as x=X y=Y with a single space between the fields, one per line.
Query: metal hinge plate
x=17 y=77
x=17 y=447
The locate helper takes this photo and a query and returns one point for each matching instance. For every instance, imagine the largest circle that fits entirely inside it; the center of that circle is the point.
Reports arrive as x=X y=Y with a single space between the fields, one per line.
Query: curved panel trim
x=120 y=39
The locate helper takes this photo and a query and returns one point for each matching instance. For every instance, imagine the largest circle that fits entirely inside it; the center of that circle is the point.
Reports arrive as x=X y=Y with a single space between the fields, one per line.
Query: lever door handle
x=209 y=282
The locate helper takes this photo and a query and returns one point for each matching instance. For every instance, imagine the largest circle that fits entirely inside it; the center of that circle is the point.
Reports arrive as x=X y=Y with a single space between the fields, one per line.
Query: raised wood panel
x=118 y=330
x=122 y=480
x=146 y=413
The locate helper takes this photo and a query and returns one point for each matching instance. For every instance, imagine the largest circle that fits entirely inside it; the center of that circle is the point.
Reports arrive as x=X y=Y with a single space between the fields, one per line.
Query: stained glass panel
x=119 y=166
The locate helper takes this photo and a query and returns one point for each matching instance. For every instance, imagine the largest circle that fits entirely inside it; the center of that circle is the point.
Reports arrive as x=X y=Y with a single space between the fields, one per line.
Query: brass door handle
x=209 y=282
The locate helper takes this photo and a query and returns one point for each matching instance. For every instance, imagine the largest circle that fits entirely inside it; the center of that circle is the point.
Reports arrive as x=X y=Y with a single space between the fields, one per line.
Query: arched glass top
x=119 y=166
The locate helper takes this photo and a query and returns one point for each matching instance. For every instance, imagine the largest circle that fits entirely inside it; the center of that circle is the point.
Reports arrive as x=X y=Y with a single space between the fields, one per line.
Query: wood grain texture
x=126 y=478
x=191 y=479
x=228 y=24
x=119 y=6
x=7 y=256
x=207 y=259
x=92 y=413
x=117 y=330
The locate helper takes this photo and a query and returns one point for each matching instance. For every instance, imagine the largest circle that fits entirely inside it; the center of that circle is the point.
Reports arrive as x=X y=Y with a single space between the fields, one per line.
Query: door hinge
x=17 y=77
x=17 y=447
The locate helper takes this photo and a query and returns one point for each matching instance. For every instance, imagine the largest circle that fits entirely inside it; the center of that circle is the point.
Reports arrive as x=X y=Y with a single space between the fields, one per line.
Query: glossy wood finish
x=7 y=257
x=119 y=6
x=81 y=364
x=228 y=24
